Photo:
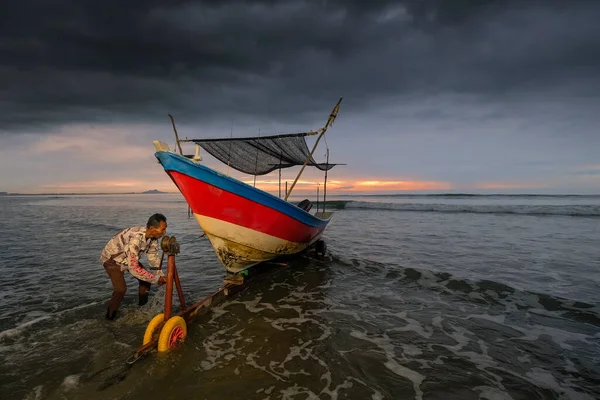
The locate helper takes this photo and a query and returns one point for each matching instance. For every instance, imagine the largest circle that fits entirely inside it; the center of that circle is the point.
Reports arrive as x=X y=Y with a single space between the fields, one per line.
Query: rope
x=111 y=375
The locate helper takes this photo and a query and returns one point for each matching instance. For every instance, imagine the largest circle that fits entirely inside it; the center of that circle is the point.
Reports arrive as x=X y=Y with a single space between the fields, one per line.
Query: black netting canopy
x=261 y=155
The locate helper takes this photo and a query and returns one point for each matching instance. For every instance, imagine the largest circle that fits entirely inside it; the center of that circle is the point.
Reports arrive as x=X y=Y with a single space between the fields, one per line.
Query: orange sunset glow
x=268 y=184
x=350 y=186
x=159 y=182
x=510 y=185
x=404 y=185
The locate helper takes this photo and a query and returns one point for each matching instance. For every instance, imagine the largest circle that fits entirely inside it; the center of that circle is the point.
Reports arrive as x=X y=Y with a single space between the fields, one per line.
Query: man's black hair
x=155 y=220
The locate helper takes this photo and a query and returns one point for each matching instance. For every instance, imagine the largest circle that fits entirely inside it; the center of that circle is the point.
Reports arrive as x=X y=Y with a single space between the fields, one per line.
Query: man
x=123 y=252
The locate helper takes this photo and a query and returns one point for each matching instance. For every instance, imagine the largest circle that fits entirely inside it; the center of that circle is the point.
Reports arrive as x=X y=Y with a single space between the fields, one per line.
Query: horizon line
x=358 y=193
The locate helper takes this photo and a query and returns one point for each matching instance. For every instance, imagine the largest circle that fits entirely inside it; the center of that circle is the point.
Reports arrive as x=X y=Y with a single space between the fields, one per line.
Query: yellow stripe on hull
x=239 y=248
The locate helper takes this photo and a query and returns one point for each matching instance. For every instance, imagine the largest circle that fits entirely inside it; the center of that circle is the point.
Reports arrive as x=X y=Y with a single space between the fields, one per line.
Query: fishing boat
x=246 y=225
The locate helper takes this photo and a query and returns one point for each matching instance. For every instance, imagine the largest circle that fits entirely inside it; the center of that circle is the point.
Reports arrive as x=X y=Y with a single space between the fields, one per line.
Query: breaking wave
x=484 y=291
x=566 y=210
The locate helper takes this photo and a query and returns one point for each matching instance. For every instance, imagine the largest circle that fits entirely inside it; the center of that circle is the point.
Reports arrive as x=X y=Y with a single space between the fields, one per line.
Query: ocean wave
x=566 y=210
x=21 y=328
x=476 y=291
x=10 y=333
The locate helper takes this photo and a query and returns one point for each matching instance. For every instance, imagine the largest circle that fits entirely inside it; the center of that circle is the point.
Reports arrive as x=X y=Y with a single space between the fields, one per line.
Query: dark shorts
x=117 y=277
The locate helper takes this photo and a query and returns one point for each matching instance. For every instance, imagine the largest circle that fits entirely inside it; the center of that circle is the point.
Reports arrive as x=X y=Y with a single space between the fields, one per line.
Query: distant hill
x=153 y=191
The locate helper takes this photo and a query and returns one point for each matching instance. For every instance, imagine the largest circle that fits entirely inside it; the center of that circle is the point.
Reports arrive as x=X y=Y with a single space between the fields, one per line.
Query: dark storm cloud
x=68 y=61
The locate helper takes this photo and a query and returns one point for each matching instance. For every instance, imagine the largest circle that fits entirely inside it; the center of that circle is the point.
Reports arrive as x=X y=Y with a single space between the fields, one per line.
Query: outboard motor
x=305 y=204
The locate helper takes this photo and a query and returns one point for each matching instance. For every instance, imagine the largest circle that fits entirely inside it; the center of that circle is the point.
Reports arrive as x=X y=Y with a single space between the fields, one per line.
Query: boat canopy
x=262 y=154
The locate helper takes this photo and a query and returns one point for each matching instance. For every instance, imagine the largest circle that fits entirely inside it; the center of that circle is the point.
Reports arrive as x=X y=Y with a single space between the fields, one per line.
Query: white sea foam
x=9 y=333
x=525 y=359
x=79 y=307
x=292 y=391
x=499 y=319
x=70 y=382
x=39 y=316
x=411 y=350
x=342 y=311
x=569 y=366
x=283 y=324
x=333 y=393
x=36 y=394
x=218 y=312
x=487 y=364
x=250 y=360
x=298 y=309
x=492 y=393
x=218 y=350
x=412 y=325
x=559 y=336
x=545 y=379
x=484 y=362
x=253 y=306
x=268 y=390
x=385 y=345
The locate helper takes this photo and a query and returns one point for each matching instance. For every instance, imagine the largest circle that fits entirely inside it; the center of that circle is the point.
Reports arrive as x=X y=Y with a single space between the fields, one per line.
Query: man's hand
x=162 y=280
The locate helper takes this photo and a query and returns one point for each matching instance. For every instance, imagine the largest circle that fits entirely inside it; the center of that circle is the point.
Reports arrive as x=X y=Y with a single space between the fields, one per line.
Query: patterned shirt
x=126 y=247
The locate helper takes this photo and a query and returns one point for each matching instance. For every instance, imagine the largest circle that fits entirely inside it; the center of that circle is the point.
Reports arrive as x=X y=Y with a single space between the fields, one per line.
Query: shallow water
x=418 y=297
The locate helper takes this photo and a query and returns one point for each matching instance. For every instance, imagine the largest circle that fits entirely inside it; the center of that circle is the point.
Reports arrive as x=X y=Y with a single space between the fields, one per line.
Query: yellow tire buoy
x=152 y=326
x=174 y=331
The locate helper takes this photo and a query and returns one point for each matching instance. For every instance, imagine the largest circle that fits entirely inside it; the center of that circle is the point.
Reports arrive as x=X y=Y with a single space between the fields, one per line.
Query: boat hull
x=245 y=225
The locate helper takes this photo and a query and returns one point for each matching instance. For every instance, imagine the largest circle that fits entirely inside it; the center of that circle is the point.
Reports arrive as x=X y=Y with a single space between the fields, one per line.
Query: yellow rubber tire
x=152 y=326
x=173 y=332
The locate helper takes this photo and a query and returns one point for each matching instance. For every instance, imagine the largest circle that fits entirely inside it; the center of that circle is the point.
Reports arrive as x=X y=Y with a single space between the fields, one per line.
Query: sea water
x=424 y=297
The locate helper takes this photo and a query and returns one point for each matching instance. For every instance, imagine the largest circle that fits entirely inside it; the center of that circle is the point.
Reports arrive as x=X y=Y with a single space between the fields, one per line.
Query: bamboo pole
x=176 y=135
x=280 y=175
x=325 y=183
x=323 y=130
x=256 y=161
x=317 y=197
x=229 y=153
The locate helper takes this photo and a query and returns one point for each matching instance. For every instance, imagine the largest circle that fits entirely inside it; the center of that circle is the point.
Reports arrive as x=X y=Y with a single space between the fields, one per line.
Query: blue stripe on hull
x=175 y=162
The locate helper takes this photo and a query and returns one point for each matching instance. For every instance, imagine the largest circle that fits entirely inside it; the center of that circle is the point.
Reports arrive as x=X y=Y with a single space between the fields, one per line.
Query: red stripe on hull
x=215 y=202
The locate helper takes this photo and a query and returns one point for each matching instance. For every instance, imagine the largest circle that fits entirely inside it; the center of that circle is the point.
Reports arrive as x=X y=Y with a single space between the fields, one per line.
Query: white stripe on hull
x=239 y=247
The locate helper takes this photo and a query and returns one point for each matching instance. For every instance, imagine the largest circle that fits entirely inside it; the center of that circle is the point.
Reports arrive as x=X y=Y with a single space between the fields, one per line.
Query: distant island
x=153 y=191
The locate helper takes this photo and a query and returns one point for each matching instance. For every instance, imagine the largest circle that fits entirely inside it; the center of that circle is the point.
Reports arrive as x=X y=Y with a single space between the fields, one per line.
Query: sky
x=489 y=96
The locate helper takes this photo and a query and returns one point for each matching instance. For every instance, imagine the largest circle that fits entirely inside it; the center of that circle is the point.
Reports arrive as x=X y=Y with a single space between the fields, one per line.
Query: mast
x=229 y=152
x=325 y=183
x=256 y=161
x=176 y=135
x=322 y=132
x=279 y=174
x=317 y=197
